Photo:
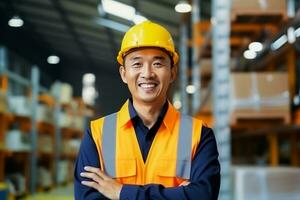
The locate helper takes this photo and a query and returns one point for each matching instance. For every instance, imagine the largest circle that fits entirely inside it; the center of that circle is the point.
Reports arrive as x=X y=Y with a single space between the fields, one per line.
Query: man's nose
x=147 y=71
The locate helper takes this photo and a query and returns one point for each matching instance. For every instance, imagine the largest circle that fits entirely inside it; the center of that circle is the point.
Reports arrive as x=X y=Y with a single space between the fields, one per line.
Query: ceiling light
x=15 y=21
x=183 y=7
x=190 y=89
x=248 y=54
x=279 y=42
x=255 y=46
x=139 y=19
x=118 y=9
x=53 y=59
x=297 y=32
x=291 y=35
x=112 y=24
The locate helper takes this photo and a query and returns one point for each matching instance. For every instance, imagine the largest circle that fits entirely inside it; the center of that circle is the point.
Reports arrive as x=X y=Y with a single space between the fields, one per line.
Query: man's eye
x=137 y=64
x=157 y=64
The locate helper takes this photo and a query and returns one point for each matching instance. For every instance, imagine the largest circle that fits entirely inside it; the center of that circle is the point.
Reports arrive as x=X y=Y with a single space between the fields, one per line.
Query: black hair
x=164 y=50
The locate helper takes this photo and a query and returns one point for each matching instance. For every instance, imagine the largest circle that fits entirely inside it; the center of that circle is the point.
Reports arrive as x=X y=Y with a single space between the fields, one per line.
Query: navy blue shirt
x=205 y=169
x=144 y=135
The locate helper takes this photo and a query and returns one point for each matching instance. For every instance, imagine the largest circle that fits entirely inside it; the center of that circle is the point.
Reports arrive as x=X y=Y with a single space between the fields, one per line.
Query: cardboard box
x=3 y=103
x=260 y=91
x=263 y=7
x=45 y=113
x=260 y=95
x=45 y=144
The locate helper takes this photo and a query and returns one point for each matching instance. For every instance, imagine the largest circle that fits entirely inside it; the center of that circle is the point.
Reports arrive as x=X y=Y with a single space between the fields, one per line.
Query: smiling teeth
x=143 y=85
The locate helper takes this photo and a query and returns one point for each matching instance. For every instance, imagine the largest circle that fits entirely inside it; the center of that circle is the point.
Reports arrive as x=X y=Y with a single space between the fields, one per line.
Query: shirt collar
x=128 y=112
x=133 y=113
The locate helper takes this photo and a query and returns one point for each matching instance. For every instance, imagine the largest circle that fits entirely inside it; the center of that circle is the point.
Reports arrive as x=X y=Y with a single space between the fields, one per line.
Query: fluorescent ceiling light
x=139 y=19
x=279 y=42
x=291 y=35
x=248 y=54
x=15 y=21
x=255 y=46
x=112 y=24
x=53 y=59
x=297 y=32
x=190 y=89
x=183 y=7
x=118 y=9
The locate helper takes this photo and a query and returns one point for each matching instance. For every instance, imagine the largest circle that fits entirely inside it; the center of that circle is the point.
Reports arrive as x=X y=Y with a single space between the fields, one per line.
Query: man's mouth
x=147 y=85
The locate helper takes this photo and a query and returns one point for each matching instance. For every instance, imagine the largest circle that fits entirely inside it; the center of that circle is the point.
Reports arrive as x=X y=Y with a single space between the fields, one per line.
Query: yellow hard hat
x=147 y=34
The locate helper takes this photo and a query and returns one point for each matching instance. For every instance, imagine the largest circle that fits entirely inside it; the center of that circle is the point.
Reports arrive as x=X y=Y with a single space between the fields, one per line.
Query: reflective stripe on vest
x=109 y=144
x=183 y=163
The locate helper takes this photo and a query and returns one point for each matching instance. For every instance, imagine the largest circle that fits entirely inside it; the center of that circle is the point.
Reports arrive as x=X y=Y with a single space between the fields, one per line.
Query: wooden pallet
x=254 y=115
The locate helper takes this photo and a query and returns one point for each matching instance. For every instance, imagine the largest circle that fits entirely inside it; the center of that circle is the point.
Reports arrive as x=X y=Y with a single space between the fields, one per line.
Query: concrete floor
x=60 y=193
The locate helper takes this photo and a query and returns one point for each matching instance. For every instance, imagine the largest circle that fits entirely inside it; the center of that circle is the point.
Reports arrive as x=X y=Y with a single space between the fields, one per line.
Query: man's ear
x=174 y=73
x=122 y=72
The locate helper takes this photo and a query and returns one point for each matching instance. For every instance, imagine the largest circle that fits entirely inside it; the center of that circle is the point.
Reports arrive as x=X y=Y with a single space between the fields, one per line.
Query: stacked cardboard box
x=258 y=7
x=260 y=95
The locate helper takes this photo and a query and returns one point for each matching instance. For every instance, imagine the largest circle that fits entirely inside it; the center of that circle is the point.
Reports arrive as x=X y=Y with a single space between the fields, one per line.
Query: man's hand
x=101 y=182
x=185 y=183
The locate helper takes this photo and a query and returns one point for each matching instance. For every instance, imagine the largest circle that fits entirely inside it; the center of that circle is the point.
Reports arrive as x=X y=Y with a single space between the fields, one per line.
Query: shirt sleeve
x=87 y=155
x=204 y=182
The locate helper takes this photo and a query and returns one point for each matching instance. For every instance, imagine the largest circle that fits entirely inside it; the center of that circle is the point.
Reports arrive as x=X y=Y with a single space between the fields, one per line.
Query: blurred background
x=239 y=72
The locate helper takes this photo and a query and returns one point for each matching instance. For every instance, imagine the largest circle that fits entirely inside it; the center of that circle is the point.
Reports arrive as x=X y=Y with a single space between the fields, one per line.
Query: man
x=147 y=150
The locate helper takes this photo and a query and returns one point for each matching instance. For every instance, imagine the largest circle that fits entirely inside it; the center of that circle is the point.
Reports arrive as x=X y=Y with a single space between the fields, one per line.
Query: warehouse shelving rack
x=245 y=28
x=28 y=161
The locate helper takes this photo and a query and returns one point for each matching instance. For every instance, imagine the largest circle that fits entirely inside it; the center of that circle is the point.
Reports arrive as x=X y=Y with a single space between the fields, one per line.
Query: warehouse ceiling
x=79 y=34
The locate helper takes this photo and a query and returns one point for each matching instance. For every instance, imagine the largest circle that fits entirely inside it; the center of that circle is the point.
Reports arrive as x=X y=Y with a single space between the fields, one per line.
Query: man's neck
x=148 y=112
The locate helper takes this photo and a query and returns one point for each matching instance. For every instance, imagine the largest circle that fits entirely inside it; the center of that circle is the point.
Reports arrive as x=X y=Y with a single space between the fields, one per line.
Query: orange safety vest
x=169 y=158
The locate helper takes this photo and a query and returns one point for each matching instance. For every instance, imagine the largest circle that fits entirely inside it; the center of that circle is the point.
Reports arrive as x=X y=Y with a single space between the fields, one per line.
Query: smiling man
x=147 y=150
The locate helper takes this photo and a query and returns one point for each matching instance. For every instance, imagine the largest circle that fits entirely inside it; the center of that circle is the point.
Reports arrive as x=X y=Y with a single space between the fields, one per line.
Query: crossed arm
x=92 y=183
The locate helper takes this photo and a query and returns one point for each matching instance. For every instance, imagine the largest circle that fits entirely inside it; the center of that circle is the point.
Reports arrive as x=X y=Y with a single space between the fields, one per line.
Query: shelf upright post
x=196 y=73
x=57 y=148
x=3 y=68
x=183 y=66
x=221 y=23
x=35 y=76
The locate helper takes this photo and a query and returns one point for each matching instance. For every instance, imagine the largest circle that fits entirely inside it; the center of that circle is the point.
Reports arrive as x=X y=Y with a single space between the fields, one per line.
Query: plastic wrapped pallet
x=266 y=183
x=78 y=122
x=65 y=120
x=19 y=105
x=18 y=184
x=62 y=174
x=44 y=113
x=15 y=140
x=44 y=179
x=64 y=90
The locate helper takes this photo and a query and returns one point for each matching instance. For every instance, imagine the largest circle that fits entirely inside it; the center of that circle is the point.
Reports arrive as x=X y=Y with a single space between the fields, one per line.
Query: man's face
x=148 y=74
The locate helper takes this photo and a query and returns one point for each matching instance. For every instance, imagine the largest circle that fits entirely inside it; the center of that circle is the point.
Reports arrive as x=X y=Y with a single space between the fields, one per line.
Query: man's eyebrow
x=135 y=58
x=159 y=57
